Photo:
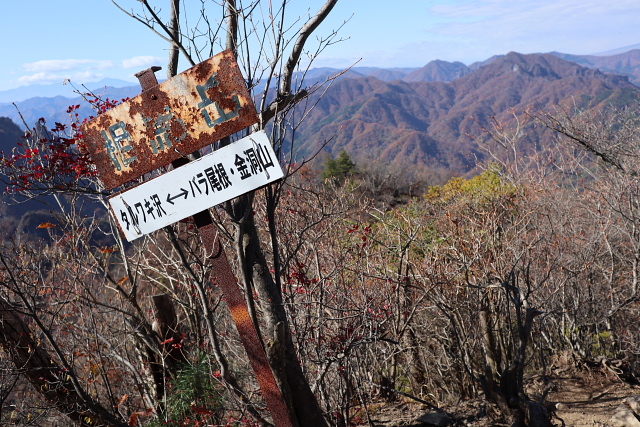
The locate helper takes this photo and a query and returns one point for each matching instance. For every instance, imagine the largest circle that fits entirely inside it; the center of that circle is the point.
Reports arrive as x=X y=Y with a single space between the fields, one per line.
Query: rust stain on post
x=147 y=78
x=224 y=277
x=167 y=121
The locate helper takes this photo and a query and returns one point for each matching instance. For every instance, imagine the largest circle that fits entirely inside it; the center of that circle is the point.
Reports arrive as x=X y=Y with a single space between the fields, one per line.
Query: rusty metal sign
x=226 y=173
x=185 y=113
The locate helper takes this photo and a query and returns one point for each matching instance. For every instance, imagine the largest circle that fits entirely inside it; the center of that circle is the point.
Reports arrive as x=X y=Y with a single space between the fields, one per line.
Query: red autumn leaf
x=133 y=421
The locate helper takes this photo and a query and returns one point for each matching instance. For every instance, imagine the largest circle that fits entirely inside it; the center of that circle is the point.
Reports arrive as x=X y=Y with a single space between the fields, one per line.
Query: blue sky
x=87 y=40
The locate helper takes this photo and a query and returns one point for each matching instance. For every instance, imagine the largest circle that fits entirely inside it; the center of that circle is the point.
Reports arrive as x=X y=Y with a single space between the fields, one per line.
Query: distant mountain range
x=425 y=117
x=620 y=61
x=56 y=89
x=53 y=109
x=618 y=50
x=430 y=125
x=10 y=134
x=626 y=64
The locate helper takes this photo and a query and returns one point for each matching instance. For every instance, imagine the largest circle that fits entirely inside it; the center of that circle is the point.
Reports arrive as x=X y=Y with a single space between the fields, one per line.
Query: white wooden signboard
x=222 y=175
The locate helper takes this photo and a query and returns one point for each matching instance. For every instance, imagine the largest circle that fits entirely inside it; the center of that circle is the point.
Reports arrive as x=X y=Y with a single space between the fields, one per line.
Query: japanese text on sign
x=222 y=175
x=165 y=122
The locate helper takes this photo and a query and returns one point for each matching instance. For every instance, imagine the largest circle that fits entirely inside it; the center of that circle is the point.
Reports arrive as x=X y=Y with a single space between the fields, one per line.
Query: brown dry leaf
x=46 y=225
x=123 y=399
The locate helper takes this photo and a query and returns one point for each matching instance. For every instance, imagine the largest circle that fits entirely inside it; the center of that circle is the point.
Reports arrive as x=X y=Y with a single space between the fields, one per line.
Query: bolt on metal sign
x=226 y=173
x=185 y=113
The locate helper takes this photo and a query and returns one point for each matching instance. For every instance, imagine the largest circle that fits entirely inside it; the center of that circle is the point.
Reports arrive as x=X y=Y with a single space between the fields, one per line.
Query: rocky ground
x=594 y=400
x=581 y=398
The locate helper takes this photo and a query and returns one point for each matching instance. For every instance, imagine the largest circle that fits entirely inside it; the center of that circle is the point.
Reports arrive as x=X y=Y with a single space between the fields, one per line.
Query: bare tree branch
x=305 y=32
x=170 y=36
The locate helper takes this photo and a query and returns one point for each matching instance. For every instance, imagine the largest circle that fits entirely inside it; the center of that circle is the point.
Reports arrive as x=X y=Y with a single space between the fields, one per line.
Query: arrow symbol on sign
x=184 y=194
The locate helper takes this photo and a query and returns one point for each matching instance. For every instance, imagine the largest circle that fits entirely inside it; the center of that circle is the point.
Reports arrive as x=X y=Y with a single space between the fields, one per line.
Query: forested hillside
x=436 y=126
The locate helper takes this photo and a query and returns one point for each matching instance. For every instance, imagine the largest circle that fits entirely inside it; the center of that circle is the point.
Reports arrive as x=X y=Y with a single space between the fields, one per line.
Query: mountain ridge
x=427 y=119
x=627 y=63
x=56 y=89
x=624 y=61
x=428 y=124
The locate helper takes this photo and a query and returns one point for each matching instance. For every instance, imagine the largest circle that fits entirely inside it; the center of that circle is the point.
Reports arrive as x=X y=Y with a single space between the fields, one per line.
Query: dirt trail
x=589 y=400
x=582 y=399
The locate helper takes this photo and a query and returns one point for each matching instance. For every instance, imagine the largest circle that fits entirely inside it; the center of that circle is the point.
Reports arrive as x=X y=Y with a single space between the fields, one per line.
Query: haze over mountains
x=56 y=89
x=424 y=117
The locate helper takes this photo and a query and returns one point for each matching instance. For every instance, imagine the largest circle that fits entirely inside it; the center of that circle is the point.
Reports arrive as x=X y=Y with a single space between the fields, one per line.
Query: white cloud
x=57 y=65
x=571 y=26
x=79 y=70
x=35 y=78
x=142 y=62
x=87 y=76
x=45 y=78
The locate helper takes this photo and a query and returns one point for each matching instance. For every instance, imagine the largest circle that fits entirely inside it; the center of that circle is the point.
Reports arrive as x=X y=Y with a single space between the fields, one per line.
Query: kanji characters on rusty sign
x=193 y=109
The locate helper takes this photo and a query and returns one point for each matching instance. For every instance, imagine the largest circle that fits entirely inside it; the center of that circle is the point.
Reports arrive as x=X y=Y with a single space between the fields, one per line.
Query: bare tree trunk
x=166 y=326
x=174 y=52
x=284 y=362
x=503 y=381
x=45 y=375
x=414 y=362
x=409 y=341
